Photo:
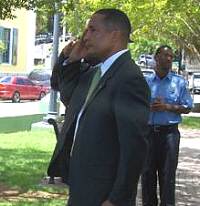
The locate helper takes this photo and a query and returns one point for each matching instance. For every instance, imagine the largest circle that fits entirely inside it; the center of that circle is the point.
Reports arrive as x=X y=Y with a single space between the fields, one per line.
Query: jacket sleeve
x=65 y=78
x=131 y=109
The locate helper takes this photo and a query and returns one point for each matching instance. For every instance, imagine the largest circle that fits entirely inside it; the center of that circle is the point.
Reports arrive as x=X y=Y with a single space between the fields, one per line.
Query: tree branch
x=188 y=26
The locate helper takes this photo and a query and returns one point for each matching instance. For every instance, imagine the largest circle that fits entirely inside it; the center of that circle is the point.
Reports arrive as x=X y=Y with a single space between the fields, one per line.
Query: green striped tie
x=94 y=83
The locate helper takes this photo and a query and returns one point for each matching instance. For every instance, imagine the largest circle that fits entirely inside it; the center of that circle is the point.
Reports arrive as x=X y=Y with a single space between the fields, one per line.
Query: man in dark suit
x=103 y=137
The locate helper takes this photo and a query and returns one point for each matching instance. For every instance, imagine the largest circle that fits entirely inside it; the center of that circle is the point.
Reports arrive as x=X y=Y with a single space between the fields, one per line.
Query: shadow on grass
x=20 y=171
x=22 y=168
x=41 y=202
x=12 y=195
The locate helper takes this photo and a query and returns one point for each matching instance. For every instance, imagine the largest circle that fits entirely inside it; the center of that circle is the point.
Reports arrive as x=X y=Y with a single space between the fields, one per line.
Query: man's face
x=164 y=59
x=97 y=38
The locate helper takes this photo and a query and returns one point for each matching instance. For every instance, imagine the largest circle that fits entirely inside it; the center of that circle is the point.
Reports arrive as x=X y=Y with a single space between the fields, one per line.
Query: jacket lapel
x=109 y=74
x=79 y=93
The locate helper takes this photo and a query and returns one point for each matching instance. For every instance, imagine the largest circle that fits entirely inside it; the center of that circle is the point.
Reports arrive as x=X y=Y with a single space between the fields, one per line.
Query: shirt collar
x=168 y=77
x=107 y=64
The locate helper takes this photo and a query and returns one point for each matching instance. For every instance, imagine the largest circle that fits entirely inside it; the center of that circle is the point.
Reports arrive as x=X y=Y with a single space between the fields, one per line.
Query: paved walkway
x=188 y=172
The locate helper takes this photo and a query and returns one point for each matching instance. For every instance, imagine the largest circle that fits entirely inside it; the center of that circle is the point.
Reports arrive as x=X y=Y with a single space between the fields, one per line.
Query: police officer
x=169 y=98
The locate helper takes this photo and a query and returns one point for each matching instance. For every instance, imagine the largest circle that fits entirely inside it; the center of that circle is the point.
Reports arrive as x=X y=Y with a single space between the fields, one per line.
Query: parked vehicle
x=147 y=72
x=44 y=38
x=194 y=83
x=41 y=77
x=16 y=88
x=197 y=83
x=147 y=60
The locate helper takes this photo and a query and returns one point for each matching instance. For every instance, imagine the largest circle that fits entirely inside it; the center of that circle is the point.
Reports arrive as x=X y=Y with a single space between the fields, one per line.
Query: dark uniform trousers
x=161 y=162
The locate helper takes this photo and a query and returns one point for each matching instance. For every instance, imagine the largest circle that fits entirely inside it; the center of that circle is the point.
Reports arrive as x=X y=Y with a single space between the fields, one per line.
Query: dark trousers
x=161 y=164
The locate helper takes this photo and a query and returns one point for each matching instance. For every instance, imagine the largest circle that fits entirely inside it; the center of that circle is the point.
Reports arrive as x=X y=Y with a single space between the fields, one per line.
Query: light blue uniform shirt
x=173 y=90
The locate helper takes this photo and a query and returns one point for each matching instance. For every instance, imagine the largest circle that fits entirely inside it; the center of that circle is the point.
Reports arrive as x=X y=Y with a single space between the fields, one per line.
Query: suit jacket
x=110 y=145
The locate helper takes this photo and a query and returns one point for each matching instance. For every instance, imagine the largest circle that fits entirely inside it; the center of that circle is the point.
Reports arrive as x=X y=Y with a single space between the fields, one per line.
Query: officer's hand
x=159 y=105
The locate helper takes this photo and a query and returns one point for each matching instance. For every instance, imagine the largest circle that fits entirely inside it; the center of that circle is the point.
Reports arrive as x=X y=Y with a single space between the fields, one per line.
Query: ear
x=115 y=35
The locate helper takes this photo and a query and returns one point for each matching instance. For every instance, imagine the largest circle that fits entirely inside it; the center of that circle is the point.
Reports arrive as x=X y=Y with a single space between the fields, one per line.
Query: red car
x=17 y=88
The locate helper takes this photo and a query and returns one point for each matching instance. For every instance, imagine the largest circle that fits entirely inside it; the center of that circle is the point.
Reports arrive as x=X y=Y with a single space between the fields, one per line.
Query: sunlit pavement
x=27 y=107
x=9 y=109
x=188 y=172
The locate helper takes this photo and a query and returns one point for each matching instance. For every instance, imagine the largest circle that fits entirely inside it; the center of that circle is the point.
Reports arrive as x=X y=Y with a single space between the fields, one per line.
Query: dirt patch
x=12 y=194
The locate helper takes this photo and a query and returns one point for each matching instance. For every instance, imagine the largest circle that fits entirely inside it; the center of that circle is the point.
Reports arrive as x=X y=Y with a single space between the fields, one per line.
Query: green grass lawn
x=24 y=158
x=190 y=123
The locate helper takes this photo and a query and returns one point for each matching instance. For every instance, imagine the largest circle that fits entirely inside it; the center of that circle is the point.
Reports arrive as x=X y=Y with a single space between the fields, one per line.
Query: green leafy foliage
x=173 y=21
x=8 y=6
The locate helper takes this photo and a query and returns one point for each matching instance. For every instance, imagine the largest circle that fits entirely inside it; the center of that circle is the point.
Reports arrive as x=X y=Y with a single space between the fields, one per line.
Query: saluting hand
x=79 y=50
x=68 y=48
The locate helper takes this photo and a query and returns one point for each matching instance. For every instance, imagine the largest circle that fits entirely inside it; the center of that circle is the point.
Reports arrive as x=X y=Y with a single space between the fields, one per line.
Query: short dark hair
x=116 y=19
x=159 y=50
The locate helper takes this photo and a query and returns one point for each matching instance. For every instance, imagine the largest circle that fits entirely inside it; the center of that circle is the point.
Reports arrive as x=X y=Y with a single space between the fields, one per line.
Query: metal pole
x=53 y=105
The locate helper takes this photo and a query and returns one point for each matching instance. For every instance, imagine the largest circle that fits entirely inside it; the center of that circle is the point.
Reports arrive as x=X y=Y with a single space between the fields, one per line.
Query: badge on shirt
x=173 y=88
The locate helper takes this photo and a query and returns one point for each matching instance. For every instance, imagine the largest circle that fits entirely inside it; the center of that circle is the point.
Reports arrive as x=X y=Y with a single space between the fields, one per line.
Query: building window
x=9 y=37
